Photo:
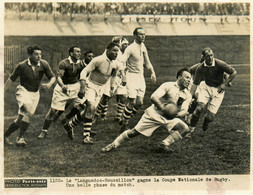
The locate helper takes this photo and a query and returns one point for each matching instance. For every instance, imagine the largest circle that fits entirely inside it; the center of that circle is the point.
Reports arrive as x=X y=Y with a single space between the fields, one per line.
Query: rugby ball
x=170 y=111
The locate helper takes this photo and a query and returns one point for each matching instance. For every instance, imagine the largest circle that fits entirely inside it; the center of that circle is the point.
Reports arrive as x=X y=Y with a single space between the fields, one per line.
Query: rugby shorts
x=119 y=88
x=210 y=96
x=151 y=120
x=27 y=100
x=93 y=92
x=60 y=99
x=136 y=85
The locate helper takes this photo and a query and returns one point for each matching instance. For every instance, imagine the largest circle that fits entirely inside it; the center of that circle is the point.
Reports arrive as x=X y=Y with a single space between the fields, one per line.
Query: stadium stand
x=131 y=8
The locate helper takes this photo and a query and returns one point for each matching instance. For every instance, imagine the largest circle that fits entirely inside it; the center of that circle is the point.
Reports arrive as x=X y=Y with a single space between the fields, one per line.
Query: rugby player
x=118 y=87
x=66 y=89
x=135 y=58
x=212 y=88
x=100 y=69
x=169 y=92
x=88 y=56
x=30 y=72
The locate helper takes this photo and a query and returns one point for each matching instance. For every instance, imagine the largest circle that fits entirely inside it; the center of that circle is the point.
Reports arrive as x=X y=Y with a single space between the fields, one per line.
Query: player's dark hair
x=31 y=49
x=180 y=72
x=204 y=51
x=72 y=49
x=116 y=39
x=111 y=45
x=87 y=52
x=136 y=30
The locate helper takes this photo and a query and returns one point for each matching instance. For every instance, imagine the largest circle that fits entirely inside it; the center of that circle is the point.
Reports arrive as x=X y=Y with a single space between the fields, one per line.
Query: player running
x=212 y=88
x=66 y=89
x=118 y=87
x=30 y=72
x=100 y=69
x=135 y=56
x=155 y=116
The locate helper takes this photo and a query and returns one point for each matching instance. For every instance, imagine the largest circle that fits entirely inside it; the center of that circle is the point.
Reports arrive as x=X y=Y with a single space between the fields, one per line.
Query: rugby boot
x=20 y=141
x=164 y=147
x=109 y=147
x=87 y=140
x=69 y=131
x=7 y=141
x=42 y=135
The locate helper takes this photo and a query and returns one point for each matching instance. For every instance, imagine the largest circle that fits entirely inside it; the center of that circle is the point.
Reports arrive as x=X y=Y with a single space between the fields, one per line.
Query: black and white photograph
x=126 y=97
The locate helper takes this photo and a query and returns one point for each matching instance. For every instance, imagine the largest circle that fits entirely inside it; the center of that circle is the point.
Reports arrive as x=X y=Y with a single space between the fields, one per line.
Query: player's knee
x=182 y=128
x=90 y=110
x=121 y=99
x=176 y=135
x=105 y=99
x=139 y=101
x=210 y=116
x=26 y=118
x=80 y=106
x=51 y=114
x=199 y=108
x=19 y=119
x=131 y=101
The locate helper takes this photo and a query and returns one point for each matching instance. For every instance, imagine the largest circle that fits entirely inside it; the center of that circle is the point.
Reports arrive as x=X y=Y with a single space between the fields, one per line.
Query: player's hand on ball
x=170 y=111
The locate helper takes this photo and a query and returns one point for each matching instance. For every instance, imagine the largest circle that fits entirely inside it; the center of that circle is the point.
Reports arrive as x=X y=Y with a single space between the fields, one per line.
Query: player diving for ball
x=100 y=69
x=156 y=115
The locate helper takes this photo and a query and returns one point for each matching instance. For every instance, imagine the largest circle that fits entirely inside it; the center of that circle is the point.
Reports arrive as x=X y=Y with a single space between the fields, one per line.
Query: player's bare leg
x=123 y=137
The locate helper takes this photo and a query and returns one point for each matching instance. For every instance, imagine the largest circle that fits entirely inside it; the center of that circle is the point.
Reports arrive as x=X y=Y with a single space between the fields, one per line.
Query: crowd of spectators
x=116 y=8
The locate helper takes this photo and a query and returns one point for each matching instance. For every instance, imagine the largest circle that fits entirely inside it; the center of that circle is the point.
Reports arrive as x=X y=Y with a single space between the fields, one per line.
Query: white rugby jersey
x=135 y=56
x=101 y=69
x=170 y=92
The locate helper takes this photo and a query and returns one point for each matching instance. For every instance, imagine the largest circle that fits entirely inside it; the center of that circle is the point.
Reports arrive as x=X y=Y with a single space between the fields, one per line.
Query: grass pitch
x=223 y=149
